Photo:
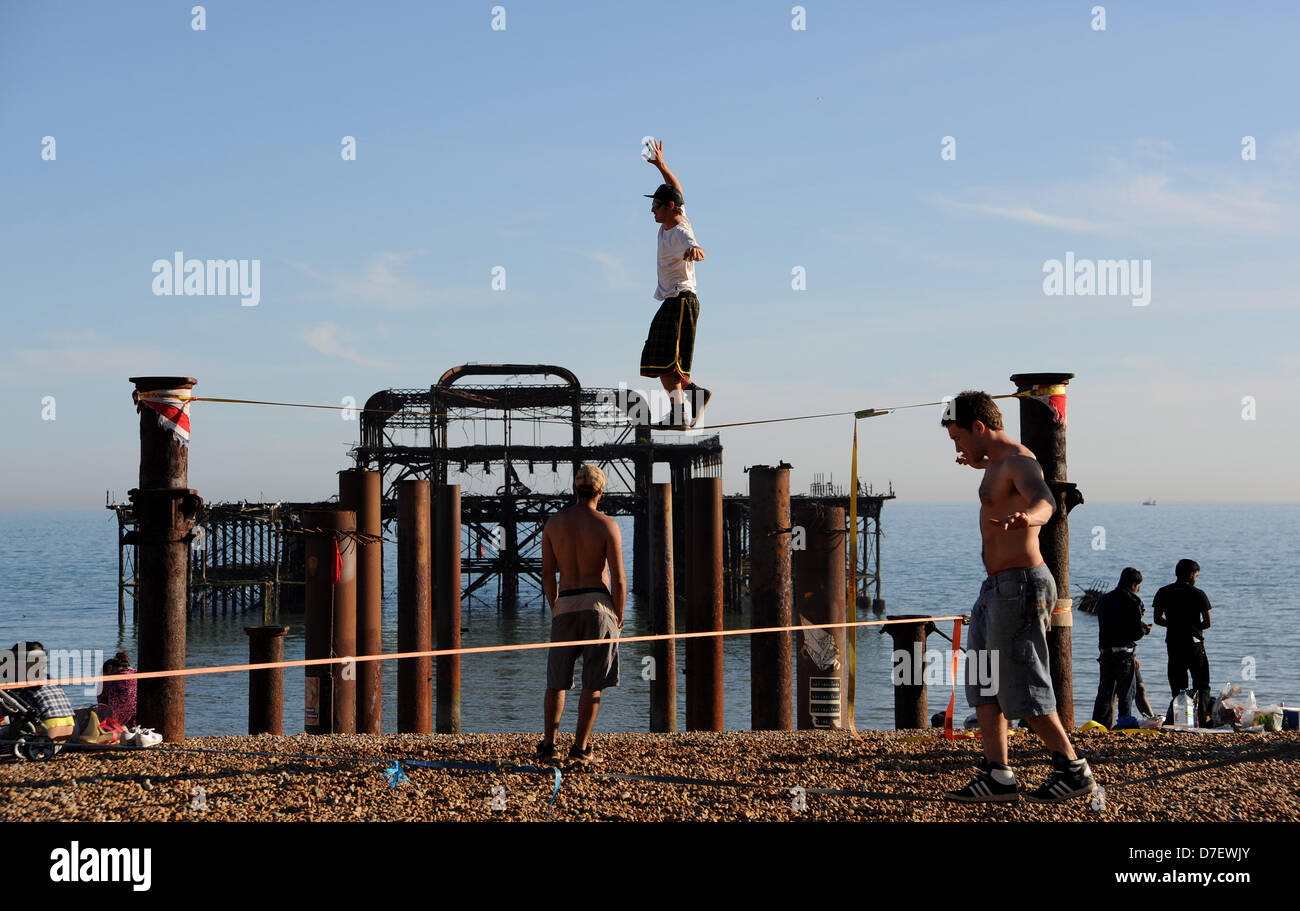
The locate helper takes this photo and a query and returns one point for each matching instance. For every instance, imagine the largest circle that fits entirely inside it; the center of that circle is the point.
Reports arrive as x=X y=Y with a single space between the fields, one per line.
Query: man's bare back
x=584 y=545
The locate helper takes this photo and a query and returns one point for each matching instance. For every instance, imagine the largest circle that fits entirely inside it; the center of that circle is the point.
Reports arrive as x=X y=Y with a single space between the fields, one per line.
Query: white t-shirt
x=675 y=274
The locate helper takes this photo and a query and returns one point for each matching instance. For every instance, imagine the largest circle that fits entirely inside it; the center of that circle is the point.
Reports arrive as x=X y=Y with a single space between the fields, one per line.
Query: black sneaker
x=699 y=398
x=986 y=788
x=584 y=757
x=545 y=752
x=1068 y=778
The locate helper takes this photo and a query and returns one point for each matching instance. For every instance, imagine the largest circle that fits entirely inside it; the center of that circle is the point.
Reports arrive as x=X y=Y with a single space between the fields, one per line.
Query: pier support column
x=642 y=566
x=447 y=567
x=1042 y=429
x=910 y=693
x=331 y=622
x=266 y=687
x=165 y=510
x=770 y=685
x=704 y=679
x=820 y=570
x=414 y=613
x=359 y=490
x=663 y=687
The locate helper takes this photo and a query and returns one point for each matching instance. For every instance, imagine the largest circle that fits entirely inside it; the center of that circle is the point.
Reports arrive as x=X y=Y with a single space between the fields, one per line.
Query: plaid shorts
x=671 y=341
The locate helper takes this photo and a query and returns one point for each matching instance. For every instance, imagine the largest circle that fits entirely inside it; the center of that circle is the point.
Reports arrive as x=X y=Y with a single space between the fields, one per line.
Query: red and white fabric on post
x=1053 y=397
x=172 y=407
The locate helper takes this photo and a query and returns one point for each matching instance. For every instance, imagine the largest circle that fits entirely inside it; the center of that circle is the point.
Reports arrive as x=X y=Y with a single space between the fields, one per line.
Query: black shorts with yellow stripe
x=671 y=341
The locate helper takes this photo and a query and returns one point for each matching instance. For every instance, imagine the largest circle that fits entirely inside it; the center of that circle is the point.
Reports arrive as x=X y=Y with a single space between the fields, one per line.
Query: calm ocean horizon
x=58 y=572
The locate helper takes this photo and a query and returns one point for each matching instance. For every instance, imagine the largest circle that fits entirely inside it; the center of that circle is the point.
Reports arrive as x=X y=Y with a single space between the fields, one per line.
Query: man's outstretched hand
x=657 y=150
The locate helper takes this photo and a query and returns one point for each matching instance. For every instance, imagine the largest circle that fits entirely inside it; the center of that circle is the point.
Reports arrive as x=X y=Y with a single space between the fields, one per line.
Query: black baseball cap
x=666 y=193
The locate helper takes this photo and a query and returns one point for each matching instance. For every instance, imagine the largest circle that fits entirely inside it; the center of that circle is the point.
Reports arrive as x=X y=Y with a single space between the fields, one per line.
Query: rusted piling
x=663 y=685
x=447 y=568
x=331 y=631
x=1042 y=429
x=704 y=686
x=359 y=490
x=819 y=575
x=771 y=594
x=414 y=617
x=165 y=509
x=910 y=692
x=266 y=687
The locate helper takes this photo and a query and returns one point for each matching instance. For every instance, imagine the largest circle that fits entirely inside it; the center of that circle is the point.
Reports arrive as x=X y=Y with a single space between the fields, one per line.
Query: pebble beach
x=694 y=777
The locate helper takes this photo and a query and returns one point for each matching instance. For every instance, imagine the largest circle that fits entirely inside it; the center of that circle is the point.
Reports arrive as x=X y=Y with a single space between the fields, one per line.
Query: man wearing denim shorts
x=1008 y=624
x=584 y=547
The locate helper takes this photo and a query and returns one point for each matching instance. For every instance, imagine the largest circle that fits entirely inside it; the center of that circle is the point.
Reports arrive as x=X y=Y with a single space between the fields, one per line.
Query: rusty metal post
x=331 y=631
x=642 y=567
x=414 y=618
x=819 y=571
x=266 y=687
x=359 y=490
x=770 y=685
x=447 y=547
x=704 y=680
x=165 y=510
x=663 y=686
x=1045 y=436
x=910 y=694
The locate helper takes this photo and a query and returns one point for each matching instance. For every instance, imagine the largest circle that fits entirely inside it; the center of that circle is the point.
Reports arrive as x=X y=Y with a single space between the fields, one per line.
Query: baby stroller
x=25 y=736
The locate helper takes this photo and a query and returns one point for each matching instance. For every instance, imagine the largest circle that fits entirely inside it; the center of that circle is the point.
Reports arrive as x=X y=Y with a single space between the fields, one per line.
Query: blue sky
x=519 y=148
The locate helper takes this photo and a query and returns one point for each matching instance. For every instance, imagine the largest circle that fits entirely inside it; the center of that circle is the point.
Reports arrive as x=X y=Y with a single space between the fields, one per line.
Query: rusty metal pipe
x=704 y=672
x=910 y=693
x=771 y=594
x=266 y=687
x=663 y=688
x=165 y=510
x=1045 y=437
x=331 y=621
x=819 y=572
x=414 y=616
x=359 y=490
x=447 y=549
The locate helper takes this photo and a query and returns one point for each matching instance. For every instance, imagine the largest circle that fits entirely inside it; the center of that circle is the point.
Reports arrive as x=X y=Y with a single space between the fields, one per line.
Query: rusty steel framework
x=512 y=445
x=241 y=557
x=736 y=543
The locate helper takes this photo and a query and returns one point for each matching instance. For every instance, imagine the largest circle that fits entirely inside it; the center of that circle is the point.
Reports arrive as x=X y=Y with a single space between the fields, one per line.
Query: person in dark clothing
x=1119 y=627
x=1184 y=611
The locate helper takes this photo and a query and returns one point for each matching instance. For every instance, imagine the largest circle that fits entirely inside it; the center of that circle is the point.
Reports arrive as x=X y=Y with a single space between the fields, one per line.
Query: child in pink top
x=119 y=695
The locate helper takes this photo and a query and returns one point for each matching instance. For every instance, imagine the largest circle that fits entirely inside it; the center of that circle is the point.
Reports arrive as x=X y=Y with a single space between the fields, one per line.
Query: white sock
x=1003 y=776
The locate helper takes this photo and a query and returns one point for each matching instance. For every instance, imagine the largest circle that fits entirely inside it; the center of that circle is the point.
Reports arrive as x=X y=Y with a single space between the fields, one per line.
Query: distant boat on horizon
x=1148 y=502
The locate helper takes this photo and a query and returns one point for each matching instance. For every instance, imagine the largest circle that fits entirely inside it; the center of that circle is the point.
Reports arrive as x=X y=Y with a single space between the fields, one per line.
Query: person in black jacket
x=1119 y=627
x=1184 y=611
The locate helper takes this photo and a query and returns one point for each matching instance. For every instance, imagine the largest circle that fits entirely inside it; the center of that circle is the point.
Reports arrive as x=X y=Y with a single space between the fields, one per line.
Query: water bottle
x=1184 y=711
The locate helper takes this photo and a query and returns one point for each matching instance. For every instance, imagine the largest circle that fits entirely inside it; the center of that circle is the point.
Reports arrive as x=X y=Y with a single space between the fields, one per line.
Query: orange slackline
x=436 y=653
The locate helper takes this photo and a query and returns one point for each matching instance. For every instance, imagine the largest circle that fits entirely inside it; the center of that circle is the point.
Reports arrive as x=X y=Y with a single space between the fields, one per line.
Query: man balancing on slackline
x=1008 y=624
x=671 y=340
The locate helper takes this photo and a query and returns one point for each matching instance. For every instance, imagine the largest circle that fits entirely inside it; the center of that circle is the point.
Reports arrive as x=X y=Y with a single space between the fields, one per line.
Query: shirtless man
x=1008 y=625
x=585 y=548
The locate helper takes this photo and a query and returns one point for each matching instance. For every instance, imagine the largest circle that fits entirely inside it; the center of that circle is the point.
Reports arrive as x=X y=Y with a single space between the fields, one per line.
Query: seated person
x=120 y=695
x=52 y=702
